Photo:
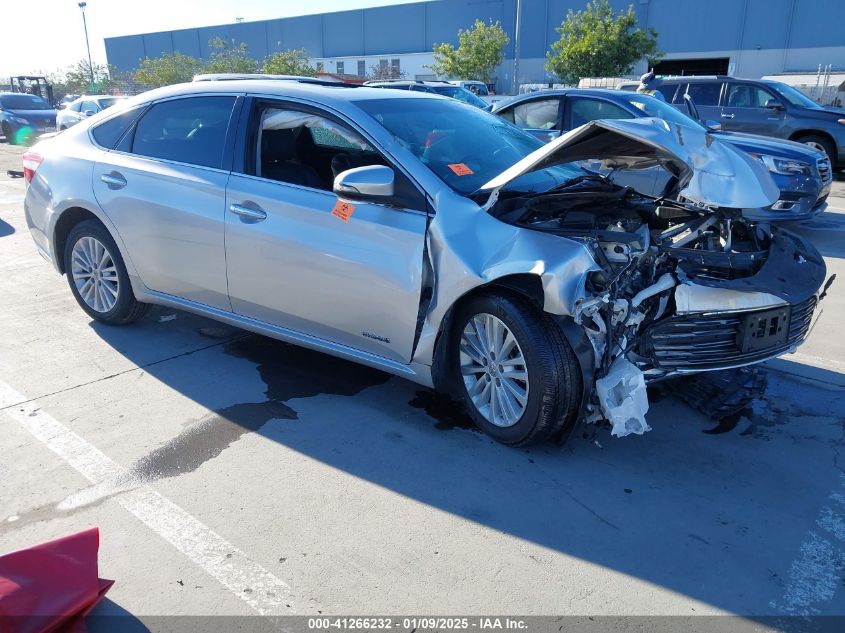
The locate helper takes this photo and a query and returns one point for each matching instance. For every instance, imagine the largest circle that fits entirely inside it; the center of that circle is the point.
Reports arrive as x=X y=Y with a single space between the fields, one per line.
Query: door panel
x=744 y=111
x=355 y=283
x=170 y=216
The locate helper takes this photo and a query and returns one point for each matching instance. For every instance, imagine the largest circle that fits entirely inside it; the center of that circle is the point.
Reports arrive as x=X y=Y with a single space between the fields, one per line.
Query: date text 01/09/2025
x=416 y=623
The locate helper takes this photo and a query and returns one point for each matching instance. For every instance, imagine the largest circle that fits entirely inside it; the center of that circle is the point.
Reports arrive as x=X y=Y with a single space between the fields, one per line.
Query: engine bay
x=662 y=263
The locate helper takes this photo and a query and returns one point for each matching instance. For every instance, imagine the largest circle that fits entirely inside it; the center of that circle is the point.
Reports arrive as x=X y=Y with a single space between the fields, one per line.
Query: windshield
x=659 y=109
x=24 y=102
x=464 y=146
x=793 y=95
x=461 y=94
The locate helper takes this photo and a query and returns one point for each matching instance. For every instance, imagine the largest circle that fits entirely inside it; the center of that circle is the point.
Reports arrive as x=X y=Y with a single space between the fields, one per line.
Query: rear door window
x=583 y=110
x=189 y=130
x=705 y=93
x=539 y=114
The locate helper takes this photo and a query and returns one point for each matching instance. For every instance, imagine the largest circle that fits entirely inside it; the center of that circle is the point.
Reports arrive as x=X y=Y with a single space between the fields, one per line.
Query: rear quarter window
x=108 y=133
x=668 y=92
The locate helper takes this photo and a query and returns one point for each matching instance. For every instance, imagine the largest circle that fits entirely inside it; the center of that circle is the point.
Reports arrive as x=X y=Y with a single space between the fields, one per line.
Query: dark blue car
x=802 y=174
x=24 y=117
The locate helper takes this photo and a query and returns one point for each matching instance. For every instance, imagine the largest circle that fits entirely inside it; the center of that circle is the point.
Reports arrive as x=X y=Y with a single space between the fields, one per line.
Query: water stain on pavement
x=287 y=371
x=448 y=413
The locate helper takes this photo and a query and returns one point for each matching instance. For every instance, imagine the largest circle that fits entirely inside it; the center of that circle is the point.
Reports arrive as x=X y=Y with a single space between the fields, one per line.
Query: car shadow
x=6 y=228
x=700 y=508
x=110 y=617
x=826 y=232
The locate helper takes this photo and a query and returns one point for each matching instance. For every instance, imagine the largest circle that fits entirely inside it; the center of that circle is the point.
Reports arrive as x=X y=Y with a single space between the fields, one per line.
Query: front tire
x=822 y=144
x=10 y=136
x=97 y=275
x=516 y=374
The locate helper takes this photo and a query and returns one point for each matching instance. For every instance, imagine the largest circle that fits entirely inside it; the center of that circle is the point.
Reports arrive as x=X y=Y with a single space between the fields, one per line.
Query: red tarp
x=52 y=586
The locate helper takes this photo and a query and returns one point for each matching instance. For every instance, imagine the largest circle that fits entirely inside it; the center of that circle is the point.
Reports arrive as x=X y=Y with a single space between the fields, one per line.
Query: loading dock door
x=701 y=66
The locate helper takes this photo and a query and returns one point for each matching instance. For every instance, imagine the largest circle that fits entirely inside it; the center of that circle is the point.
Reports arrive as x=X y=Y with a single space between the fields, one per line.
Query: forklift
x=34 y=85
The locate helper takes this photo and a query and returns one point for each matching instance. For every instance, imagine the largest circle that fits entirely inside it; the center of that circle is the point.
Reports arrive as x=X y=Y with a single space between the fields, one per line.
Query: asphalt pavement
x=232 y=474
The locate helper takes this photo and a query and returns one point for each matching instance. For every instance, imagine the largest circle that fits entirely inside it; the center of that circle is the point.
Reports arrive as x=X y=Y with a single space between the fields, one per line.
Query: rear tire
x=10 y=137
x=97 y=275
x=513 y=369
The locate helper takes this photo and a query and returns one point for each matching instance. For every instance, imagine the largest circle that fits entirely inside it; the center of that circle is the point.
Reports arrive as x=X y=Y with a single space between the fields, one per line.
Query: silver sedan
x=83 y=107
x=432 y=240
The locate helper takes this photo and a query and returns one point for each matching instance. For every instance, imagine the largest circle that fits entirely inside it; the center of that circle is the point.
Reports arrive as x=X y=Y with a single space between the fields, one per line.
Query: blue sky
x=49 y=34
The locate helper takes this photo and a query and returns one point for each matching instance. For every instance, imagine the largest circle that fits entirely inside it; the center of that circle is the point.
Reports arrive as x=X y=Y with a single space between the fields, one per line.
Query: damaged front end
x=685 y=284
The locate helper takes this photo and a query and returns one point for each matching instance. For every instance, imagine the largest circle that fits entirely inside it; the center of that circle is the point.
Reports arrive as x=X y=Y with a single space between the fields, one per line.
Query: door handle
x=728 y=116
x=246 y=212
x=114 y=180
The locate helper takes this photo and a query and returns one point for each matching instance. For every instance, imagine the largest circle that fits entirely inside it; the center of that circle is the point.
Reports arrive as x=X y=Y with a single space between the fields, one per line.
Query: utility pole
x=516 y=46
x=82 y=6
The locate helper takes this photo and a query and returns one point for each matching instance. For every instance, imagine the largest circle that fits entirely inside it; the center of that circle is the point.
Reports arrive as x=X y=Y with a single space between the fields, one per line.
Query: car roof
x=16 y=94
x=607 y=93
x=96 y=97
x=324 y=93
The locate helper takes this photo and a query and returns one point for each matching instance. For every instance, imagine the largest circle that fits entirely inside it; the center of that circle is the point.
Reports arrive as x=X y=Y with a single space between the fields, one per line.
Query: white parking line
x=230 y=566
x=816 y=574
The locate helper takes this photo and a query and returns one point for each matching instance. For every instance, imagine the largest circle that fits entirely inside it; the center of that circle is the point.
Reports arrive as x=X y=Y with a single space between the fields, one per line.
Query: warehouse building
x=748 y=38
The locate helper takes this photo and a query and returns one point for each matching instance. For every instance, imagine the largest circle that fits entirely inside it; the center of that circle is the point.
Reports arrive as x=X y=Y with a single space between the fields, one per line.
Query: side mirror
x=372 y=181
x=710 y=124
x=774 y=104
x=89 y=113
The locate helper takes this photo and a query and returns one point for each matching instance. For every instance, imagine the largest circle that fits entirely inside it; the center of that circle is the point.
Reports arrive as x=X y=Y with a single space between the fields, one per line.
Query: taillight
x=31 y=161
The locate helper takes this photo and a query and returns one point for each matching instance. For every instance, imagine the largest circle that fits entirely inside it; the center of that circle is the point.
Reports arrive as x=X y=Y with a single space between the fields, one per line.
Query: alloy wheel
x=817 y=146
x=95 y=274
x=494 y=370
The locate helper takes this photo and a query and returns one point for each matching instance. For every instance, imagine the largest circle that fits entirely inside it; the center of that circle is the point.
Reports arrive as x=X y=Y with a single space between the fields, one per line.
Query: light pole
x=82 y=6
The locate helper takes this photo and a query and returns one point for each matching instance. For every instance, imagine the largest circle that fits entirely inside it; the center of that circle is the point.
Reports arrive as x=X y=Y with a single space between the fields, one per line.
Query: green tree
x=597 y=43
x=77 y=78
x=229 y=57
x=289 y=62
x=480 y=51
x=167 y=69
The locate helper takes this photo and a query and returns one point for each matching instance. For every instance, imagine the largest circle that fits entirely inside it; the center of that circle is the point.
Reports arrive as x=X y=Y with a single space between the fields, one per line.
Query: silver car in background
x=427 y=238
x=83 y=107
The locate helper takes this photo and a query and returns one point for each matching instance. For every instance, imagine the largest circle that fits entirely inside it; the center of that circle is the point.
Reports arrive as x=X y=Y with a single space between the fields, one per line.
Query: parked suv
x=431 y=240
x=761 y=106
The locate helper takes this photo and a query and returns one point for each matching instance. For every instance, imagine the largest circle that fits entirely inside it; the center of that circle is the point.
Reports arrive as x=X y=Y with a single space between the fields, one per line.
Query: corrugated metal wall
x=685 y=26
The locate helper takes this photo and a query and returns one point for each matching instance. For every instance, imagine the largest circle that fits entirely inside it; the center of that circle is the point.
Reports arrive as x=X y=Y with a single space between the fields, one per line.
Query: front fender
x=469 y=248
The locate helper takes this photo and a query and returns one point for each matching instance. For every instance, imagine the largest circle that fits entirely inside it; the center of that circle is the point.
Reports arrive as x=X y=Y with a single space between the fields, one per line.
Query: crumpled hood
x=709 y=172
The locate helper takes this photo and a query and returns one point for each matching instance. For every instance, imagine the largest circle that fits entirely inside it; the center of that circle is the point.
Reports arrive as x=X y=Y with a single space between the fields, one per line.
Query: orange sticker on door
x=343 y=210
x=461 y=170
